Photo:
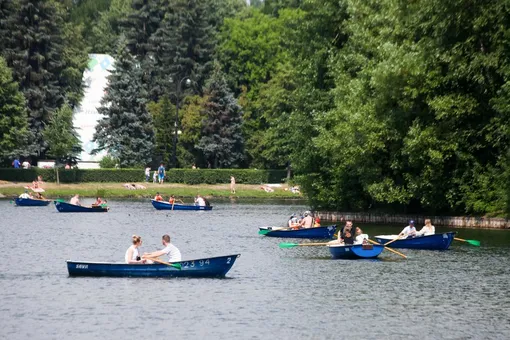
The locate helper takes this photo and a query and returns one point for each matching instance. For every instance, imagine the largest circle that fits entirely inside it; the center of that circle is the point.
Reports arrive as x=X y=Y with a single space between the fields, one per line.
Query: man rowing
x=174 y=255
x=75 y=200
x=410 y=230
x=307 y=221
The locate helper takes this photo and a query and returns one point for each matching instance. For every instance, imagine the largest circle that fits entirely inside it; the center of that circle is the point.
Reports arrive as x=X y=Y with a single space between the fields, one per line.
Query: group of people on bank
x=133 y=256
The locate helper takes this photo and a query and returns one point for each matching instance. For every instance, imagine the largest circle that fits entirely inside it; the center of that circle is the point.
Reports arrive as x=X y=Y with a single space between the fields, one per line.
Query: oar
x=292 y=245
x=387 y=248
x=398 y=237
x=175 y=265
x=471 y=242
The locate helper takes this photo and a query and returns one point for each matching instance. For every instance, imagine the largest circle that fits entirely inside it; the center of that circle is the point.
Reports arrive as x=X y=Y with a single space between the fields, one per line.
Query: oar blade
x=264 y=231
x=176 y=265
x=287 y=245
x=474 y=243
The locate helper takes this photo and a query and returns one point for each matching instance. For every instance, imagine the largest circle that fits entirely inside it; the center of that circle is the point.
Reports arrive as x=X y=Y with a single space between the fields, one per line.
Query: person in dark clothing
x=349 y=232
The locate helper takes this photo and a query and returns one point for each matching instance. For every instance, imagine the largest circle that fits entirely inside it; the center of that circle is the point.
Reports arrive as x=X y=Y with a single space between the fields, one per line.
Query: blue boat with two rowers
x=355 y=251
x=31 y=202
x=325 y=232
x=68 y=207
x=429 y=242
x=162 y=205
x=212 y=267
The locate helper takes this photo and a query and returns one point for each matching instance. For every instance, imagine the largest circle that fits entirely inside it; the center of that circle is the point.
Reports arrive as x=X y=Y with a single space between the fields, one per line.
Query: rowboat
x=30 y=202
x=356 y=251
x=206 y=267
x=162 y=205
x=68 y=207
x=429 y=242
x=325 y=232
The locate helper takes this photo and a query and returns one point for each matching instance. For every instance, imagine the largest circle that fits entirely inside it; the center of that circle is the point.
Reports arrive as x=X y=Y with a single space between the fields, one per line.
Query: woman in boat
x=317 y=222
x=428 y=229
x=132 y=253
x=171 y=200
x=158 y=197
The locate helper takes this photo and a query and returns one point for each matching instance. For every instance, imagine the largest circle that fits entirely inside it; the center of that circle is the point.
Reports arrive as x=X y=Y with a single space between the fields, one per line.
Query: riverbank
x=403 y=220
x=117 y=190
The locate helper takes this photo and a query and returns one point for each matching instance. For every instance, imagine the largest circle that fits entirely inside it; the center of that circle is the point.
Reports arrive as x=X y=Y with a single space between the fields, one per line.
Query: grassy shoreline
x=116 y=190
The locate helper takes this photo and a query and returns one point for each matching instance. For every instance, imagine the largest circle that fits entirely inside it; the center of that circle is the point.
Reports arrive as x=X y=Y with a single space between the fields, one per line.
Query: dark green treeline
x=379 y=104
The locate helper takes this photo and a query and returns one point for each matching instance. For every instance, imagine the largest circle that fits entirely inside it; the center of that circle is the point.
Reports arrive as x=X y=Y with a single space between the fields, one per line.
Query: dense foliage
x=378 y=104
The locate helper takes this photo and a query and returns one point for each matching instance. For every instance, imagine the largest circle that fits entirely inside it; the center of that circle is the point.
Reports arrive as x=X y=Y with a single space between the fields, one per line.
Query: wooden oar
x=471 y=242
x=175 y=265
x=387 y=248
x=173 y=205
x=292 y=245
x=398 y=238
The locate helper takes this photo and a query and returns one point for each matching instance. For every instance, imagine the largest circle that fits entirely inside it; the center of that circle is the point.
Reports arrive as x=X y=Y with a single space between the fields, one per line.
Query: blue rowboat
x=29 y=202
x=356 y=251
x=430 y=242
x=68 y=207
x=325 y=232
x=162 y=205
x=206 y=267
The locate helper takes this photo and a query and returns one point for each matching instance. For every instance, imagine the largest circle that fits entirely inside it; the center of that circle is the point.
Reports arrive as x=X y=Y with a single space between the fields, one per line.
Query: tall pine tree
x=33 y=49
x=126 y=131
x=222 y=141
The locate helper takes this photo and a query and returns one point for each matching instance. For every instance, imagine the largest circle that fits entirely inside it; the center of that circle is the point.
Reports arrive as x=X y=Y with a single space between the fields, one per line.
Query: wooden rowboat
x=30 y=202
x=429 y=242
x=68 y=207
x=325 y=232
x=163 y=205
x=206 y=267
x=356 y=251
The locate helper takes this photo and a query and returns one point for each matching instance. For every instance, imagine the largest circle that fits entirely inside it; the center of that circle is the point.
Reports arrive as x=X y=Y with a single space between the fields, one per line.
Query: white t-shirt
x=201 y=202
x=134 y=256
x=409 y=230
x=25 y=165
x=174 y=255
x=147 y=171
x=24 y=195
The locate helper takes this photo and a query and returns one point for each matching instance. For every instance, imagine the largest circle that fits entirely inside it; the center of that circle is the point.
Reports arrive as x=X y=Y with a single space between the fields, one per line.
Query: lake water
x=270 y=293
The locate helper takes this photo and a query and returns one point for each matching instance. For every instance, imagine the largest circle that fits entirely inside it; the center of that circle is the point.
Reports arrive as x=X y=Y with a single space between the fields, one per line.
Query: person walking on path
x=232 y=184
x=161 y=173
x=15 y=163
x=147 y=174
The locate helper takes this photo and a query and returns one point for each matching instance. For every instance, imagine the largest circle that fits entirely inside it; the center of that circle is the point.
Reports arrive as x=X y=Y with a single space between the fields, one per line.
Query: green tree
x=13 y=116
x=222 y=140
x=126 y=130
x=108 y=28
x=163 y=118
x=61 y=136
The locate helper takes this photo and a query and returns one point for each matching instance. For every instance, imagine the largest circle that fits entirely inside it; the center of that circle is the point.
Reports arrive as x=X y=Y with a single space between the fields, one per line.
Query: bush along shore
x=118 y=190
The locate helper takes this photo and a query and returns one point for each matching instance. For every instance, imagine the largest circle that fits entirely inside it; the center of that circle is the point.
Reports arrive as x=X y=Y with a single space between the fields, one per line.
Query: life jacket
x=171 y=200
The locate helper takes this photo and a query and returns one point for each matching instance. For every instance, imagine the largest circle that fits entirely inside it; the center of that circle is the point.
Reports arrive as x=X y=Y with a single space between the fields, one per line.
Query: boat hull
x=206 y=267
x=28 y=202
x=430 y=242
x=357 y=251
x=162 y=205
x=67 y=207
x=325 y=232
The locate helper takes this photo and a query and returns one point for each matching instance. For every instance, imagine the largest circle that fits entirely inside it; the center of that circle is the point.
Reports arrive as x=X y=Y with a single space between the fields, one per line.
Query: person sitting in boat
x=25 y=195
x=307 y=221
x=158 y=197
x=348 y=232
x=132 y=253
x=294 y=222
x=171 y=200
x=39 y=196
x=75 y=200
x=174 y=255
x=98 y=201
x=409 y=231
x=317 y=222
x=428 y=229
x=200 y=201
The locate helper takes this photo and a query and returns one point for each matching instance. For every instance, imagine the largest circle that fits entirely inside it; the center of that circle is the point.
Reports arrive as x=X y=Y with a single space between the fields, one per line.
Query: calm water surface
x=270 y=293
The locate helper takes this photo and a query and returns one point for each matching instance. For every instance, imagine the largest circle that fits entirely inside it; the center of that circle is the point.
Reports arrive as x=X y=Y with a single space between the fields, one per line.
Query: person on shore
x=193 y=166
x=161 y=173
x=155 y=177
x=147 y=174
x=410 y=230
x=68 y=166
x=133 y=253
x=25 y=164
x=232 y=184
x=307 y=221
x=158 y=197
x=428 y=229
x=25 y=195
x=200 y=201
x=174 y=255
x=15 y=163
x=75 y=200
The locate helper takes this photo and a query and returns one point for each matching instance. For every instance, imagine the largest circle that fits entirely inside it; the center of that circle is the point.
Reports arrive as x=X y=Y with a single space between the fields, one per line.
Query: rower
x=348 y=233
x=98 y=201
x=171 y=200
x=410 y=230
x=158 y=197
x=75 y=200
x=307 y=221
x=174 y=255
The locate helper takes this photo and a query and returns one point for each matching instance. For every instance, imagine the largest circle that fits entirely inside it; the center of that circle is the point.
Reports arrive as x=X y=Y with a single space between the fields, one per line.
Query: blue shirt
x=16 y=164
x=161 y=170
